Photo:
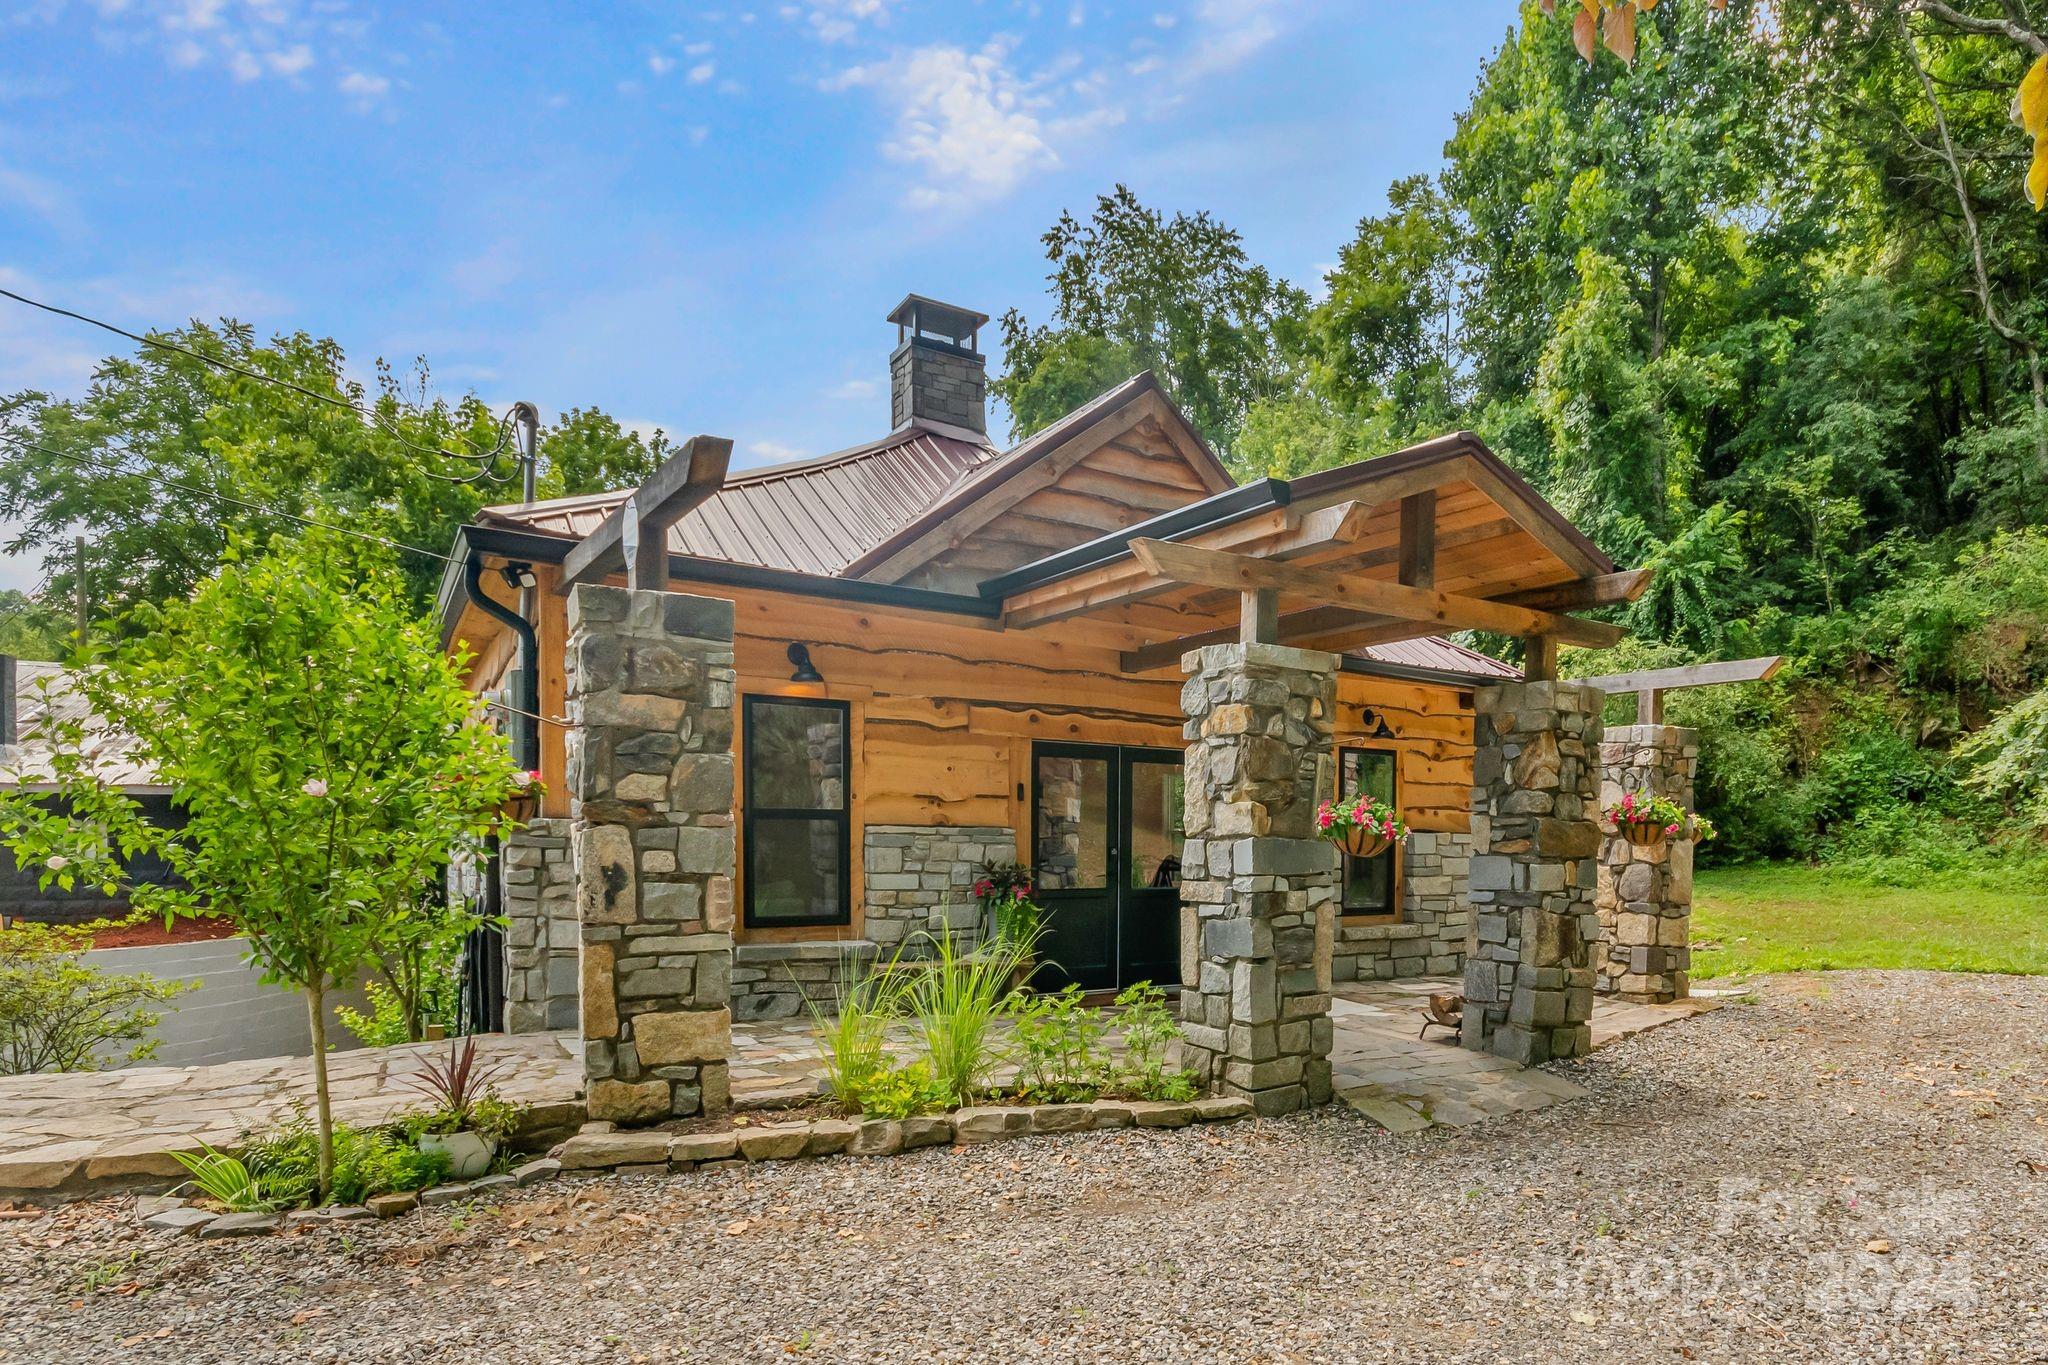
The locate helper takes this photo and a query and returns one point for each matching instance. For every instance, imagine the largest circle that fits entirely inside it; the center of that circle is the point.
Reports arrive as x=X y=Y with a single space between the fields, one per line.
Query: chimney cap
x=924 y=316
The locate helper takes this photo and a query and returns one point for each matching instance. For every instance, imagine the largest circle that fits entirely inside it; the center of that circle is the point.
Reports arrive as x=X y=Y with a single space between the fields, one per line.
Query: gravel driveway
x=1852 y=1167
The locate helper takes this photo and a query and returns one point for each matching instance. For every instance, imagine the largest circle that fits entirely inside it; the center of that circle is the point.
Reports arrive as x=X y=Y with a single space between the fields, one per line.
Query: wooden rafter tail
x=1440 y=610
x=684 y=481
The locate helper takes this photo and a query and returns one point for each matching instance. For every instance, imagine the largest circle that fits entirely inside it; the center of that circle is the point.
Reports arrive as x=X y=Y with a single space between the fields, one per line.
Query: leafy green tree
x=1385 y=339
x=30 y=629
x=324 y=749
x=166 y=458
x=587 y=451
x=1177 y=296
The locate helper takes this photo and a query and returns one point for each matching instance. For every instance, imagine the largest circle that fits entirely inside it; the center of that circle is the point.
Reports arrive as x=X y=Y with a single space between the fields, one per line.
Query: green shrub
x=367 y=1161
x=1149 y=1026
x=1059 y=1053
x=899 y=1092
x=58 y=1014
x=2007 y=762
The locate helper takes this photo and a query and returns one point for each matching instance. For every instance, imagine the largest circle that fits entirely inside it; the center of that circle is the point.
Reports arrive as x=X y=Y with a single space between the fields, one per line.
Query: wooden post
x=1258 y=617
x=1418 y=539
x=1650 y=706
x=1539 y=654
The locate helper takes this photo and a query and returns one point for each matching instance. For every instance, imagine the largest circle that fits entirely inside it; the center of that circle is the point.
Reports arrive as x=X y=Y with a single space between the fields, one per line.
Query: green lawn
x=1787 y=918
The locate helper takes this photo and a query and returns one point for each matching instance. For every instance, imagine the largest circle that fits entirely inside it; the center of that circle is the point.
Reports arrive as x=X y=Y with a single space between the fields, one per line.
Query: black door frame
x=1121 y=758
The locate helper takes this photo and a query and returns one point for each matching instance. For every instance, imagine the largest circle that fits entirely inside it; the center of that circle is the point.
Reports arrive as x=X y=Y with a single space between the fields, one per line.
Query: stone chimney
x=937 y=374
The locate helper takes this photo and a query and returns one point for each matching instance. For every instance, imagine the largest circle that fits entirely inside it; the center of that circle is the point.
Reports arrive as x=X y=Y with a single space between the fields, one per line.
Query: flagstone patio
x=82 y=1131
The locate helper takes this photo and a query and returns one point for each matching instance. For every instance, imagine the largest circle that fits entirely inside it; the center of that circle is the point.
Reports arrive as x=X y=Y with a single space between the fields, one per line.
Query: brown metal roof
x=809 y=516
x=1435 y=652
x=1033 y=448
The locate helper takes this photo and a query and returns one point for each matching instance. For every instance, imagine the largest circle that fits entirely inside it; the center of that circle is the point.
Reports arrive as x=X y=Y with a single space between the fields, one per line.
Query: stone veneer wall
x=920 y=879
x=1429 y=938
x=1644 y=895
x=775 y=980
x=1529 y=978
x=1258 y=888
x=542 y=936
x=651 y=778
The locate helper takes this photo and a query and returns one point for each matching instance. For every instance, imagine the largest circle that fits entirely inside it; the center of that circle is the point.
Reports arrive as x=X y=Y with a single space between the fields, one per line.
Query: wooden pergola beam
x=1437 y=610
x=1259 y=619
x=684 y=481
x=1279 y=531
x=1602 y=590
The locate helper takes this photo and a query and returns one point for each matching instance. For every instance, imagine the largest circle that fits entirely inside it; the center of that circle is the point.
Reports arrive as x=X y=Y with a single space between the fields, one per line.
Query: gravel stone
x=1716 y=1195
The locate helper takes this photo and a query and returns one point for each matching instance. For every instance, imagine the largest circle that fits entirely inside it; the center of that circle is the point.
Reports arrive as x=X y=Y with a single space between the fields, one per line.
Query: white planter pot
x=469 y=1155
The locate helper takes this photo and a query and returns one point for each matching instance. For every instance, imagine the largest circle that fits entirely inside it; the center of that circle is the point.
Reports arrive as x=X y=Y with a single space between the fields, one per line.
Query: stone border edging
x=654 y=1152
x=649 y=1150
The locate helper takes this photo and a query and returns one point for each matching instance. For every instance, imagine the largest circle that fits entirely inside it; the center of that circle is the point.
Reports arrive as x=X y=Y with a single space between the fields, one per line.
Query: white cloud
x=659 y=64
x=1230 y=32
x=247 y=40
x=854 y=390
x=489 y=272
x=975 y=128
x=365 y=89
x=702 y=72
x=835 y=21
x=774 y=452
x=696 y=49
x=43 y=198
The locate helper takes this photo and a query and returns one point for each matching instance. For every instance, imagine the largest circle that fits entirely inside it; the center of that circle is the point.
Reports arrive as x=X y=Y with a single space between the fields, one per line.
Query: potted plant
x=469 y=1120
x=1009 y=917
x=1363 y=825
x=1646 y=820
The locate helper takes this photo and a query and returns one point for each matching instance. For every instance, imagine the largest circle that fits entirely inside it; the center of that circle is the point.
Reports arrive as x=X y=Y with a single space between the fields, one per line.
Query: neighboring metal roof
x=45 y=694
x=1438 y=655
x=807 y=516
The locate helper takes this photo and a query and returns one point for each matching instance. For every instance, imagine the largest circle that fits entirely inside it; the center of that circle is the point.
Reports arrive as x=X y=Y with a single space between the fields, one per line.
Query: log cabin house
x=948 y=652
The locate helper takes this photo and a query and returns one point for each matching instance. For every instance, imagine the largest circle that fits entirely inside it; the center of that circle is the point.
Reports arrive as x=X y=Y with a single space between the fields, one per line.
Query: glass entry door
x=1106 y=838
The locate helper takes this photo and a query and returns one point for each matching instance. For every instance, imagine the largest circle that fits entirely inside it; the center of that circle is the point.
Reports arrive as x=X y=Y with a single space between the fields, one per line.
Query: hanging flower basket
x=1647 y=821
x=1362 y=826
x=1643 y=835
x=1360 y=841
x=523 y=802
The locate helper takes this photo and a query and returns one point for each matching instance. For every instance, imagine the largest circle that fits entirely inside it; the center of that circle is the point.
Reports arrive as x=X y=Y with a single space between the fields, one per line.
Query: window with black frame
x=1368 y=882
x=795 y=760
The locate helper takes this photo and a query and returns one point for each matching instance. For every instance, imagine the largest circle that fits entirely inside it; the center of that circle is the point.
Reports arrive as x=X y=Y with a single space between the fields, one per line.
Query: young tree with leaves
x=324 y=749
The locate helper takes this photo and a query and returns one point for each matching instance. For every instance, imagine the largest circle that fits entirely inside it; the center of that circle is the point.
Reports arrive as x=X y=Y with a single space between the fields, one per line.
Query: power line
x=85 y=462
x=485 y=461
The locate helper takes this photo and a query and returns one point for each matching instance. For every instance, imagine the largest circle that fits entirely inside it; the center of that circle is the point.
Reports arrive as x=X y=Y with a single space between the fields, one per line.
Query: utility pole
x=78 y=571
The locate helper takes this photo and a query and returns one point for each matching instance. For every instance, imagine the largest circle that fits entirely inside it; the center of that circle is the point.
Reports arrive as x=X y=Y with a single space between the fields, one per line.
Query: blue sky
x=692 y=216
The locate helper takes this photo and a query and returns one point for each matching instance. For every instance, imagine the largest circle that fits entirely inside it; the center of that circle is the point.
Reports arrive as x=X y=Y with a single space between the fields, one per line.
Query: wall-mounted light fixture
x=519 y=574
x=807 y=681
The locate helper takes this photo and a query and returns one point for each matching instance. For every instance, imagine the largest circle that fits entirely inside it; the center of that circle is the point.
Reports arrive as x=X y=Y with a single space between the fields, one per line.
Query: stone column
x=1529 y=976
x=1645 y=893
x=542 y=936
x=1258 y=888
x=651 y=776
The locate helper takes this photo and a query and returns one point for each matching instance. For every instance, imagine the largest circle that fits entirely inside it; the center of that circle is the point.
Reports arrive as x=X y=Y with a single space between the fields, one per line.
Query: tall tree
x=1135 y=290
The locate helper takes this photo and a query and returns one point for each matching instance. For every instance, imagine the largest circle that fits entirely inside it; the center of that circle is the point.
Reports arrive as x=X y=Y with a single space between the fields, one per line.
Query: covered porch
x=1267 y=604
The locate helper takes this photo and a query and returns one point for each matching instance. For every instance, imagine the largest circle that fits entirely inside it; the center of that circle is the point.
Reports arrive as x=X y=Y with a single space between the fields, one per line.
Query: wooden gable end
x=1122 y=471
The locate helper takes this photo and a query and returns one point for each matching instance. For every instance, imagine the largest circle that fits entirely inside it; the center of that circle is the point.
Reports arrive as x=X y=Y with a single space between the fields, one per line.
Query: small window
x=1368 y=882
x=794 y=818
